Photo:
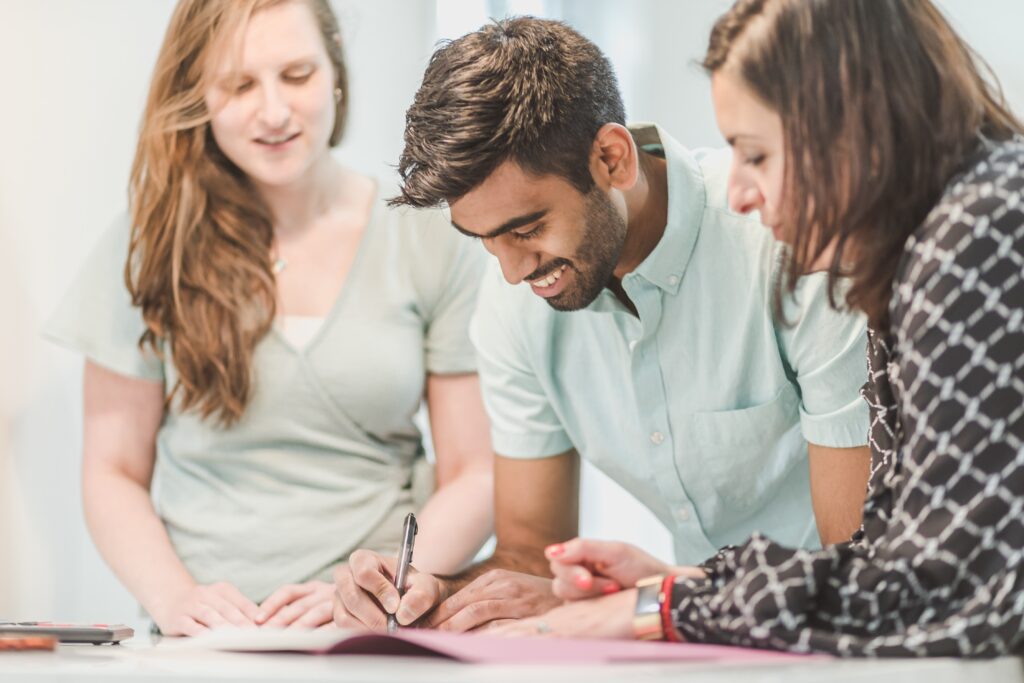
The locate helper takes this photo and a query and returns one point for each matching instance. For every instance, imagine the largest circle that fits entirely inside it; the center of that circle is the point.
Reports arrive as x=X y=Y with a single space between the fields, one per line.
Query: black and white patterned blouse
x=938 y=567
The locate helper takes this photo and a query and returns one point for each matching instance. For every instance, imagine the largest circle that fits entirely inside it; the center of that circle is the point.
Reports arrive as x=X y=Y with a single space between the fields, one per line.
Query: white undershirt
x=299 y=330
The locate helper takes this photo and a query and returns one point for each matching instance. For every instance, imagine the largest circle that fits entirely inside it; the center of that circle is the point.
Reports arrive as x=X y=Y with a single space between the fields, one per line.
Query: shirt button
x=684 y=515
x=673 y=280
x=632 y=346
x=657 y=438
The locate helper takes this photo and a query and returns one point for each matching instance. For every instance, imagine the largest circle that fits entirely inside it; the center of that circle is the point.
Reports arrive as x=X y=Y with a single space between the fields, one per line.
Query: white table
x=142 y=660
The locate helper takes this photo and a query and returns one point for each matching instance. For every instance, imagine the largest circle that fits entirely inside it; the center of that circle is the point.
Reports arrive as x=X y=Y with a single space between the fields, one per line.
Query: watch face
x=647 y=615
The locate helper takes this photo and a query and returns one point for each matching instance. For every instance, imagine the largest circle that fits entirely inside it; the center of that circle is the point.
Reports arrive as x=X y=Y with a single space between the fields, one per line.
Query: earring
x=338 y=94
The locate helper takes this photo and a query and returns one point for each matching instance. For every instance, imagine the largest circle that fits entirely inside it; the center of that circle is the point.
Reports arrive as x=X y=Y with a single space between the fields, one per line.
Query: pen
x=409 y=530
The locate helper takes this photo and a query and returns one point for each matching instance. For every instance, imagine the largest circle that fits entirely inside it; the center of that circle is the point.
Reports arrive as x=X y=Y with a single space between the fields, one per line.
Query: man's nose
x=516 y=262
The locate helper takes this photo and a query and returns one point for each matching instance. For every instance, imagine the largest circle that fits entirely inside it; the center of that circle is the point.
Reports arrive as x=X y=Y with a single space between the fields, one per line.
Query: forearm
x=132 y=539
x=839 y=479
x=455 y=523
x=524 y=559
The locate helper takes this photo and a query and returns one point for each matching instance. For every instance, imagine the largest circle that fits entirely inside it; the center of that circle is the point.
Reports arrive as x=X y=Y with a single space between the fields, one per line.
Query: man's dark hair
x=532 y=91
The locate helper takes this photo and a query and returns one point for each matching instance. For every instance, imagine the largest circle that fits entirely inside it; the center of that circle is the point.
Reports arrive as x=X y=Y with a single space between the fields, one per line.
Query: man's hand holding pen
x=365 y=593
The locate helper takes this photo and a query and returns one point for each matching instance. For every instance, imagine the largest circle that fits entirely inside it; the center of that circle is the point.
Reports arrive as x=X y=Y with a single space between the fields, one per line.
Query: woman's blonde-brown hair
x=881 y=104
x=199 y=265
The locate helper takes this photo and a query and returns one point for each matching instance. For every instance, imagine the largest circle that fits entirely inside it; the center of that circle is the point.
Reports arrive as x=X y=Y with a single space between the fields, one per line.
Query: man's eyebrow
x=507 y=226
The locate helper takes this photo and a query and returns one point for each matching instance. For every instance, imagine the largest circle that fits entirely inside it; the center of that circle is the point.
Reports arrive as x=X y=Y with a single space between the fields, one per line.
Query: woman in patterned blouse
x=867 y=139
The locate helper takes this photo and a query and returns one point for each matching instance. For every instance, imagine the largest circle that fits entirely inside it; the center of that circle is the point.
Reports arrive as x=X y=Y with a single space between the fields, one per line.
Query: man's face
x=543 y=231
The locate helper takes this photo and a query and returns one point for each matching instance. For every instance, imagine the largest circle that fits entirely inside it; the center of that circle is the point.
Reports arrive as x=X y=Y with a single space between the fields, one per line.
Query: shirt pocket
x=748 y=453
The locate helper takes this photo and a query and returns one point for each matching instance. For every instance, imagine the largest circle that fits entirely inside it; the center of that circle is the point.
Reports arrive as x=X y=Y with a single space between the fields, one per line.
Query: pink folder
x=484 y=649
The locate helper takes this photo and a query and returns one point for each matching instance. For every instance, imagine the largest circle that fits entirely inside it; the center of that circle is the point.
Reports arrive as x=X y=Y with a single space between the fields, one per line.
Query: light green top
x=702 y=406
x=325 y=457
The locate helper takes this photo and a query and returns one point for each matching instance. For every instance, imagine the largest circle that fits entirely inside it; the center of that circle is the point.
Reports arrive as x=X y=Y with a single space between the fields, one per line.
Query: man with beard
x=635 y=322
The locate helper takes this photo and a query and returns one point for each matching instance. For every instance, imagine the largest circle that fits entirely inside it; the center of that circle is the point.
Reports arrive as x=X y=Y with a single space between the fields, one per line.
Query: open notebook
x=472 y=648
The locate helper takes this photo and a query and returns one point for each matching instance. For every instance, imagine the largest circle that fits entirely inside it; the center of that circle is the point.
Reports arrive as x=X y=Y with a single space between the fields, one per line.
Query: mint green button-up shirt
x=702 y=405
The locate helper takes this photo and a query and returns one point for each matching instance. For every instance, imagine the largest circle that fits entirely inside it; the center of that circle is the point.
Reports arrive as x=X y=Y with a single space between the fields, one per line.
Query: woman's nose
x=744 y=198
x=274 y=109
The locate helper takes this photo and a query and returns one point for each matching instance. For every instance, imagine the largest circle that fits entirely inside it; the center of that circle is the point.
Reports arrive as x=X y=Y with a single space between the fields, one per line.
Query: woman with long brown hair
x=868 y=139
x=260 y=332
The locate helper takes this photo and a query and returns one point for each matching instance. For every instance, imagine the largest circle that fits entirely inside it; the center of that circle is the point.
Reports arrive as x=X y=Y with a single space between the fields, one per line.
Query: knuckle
x=349 y=594
x=362 y=558
x=365 y=574
x=380 y=591
x=344 y=619
x=416 y=603
x=493 y=576
x=343 y=581
x=473 y=610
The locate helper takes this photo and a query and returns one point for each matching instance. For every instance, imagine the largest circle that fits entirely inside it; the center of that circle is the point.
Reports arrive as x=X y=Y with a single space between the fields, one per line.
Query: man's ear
x=614 y=160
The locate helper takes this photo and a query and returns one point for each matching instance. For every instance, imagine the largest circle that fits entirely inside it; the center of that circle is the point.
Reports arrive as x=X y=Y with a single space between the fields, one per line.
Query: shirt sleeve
x=524 y=424
x=448 y=270
x=824 y=350
x=939 y=573
x=96 y=316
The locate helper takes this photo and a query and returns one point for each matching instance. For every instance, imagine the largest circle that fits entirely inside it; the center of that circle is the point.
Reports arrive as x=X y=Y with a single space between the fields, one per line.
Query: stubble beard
x=594 y=264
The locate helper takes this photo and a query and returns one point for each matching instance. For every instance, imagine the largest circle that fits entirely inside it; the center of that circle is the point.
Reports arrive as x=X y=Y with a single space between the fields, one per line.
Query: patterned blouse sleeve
x=938 y=568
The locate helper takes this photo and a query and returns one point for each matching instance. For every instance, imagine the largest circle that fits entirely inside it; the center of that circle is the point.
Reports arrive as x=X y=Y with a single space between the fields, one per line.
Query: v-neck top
x=299 y=330
x=323 y=460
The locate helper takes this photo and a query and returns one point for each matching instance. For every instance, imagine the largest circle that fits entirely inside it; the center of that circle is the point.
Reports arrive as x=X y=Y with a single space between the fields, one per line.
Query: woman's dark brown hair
x=881 y=104
x=199 y=257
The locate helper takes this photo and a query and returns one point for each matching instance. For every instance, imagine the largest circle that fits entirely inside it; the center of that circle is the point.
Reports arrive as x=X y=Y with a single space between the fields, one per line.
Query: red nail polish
x=584 y=582
x=555 y=550
x=611 y=588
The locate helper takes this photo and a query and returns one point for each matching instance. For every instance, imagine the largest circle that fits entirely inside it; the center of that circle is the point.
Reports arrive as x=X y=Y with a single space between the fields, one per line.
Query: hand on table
x=610 y=616
x=203 y=607
x=584 y=568
x=495 y=596
x=304 y=605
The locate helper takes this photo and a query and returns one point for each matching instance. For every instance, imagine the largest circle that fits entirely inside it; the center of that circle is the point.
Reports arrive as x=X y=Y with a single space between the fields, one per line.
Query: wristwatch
x=650 y=598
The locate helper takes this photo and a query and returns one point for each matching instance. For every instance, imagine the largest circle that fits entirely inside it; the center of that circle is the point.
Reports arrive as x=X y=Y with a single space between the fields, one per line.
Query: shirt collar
x=665 y=265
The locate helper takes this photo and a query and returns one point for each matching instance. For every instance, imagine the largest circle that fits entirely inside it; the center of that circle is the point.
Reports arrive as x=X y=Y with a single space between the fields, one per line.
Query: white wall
x=75 y=77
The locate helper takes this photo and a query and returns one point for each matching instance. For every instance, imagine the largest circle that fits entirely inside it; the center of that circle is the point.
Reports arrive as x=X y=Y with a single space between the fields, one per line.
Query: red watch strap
x=667 y=627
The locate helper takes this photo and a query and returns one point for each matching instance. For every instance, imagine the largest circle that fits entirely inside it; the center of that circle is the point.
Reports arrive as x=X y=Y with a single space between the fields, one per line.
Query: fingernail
x=611 y=588
x=391 y=604
x=260 y=617
x=403 y=617
x=584 y=582
x=555 y=550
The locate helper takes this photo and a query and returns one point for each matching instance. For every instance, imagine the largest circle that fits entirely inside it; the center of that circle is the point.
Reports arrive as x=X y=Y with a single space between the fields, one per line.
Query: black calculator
x=97 y=634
